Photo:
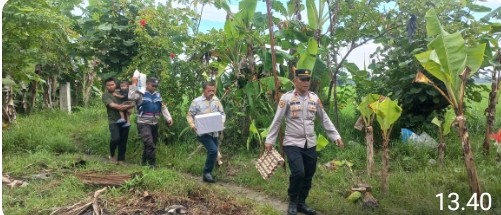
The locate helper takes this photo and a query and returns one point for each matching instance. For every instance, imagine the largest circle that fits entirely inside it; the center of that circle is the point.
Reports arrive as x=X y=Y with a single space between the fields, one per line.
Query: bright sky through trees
x=214 y=18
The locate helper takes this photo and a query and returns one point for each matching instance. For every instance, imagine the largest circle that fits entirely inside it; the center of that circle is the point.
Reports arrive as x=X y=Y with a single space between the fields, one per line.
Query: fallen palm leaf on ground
x=97 y=178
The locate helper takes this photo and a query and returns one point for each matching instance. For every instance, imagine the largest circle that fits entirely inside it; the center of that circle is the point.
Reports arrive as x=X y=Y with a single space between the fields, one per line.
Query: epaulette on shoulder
x=312 y=93
x=287 y=94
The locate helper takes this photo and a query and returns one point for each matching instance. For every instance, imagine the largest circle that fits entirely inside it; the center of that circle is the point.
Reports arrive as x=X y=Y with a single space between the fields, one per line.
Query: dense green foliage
x=48 y=42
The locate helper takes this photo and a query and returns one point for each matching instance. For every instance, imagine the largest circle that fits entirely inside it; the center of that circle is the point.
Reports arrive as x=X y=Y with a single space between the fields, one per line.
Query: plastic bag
x=423 y=139
x=141 y=81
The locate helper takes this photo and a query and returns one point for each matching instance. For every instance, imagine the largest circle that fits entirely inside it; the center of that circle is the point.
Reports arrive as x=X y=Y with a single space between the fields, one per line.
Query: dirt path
x=258 y=197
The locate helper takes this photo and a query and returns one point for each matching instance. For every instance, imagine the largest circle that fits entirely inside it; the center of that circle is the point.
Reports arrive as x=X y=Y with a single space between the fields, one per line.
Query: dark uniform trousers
x=149 y=135
x=302 y=164
x=119 y=136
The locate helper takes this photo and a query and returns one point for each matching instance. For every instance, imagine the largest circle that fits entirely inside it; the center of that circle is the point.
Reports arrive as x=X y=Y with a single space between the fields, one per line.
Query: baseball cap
x=153 y=81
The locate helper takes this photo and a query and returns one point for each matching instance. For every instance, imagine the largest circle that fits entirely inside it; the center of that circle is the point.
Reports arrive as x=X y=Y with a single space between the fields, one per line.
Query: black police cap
x=303 y=73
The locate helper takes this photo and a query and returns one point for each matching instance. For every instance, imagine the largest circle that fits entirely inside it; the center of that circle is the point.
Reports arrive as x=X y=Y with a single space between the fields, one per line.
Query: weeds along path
x=244 y=192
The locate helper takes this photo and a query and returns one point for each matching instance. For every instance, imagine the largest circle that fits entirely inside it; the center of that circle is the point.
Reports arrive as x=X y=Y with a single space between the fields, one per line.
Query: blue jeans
x=210 y=144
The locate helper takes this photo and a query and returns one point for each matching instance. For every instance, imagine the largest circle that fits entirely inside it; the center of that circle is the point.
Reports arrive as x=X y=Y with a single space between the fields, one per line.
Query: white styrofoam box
x=141 y=85
x=210 y=122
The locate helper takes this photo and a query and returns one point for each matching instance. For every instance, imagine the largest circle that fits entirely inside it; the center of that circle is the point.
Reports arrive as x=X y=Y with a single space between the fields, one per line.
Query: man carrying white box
x=206 y=117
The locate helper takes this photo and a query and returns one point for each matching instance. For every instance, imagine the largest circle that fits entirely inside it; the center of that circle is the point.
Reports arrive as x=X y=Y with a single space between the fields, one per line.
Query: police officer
x=207 y=103
x=299 y=107
x=149 y=109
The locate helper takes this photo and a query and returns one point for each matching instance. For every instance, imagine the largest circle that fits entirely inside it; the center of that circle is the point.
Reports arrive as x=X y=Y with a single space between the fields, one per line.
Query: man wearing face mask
x=207 y=103
x=299 y=107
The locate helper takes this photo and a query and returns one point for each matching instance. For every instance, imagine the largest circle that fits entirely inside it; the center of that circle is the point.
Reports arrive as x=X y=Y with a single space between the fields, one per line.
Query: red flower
x=142 y=22
x=172 y=55
x=496 y=136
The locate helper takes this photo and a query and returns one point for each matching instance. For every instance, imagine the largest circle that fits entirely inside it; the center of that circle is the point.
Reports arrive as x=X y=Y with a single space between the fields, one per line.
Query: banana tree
x=237 y=50
x=387 y=113
x=490 y=111
x=444 y=128
x=317 y=17
x=302 y=39
x=493 y=36
x=452 y=62
x=316 y=12
x=368 y=118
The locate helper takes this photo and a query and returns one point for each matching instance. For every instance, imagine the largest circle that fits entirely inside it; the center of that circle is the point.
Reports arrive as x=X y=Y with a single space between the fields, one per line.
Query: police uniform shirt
x=201 y=105
x=299 y=112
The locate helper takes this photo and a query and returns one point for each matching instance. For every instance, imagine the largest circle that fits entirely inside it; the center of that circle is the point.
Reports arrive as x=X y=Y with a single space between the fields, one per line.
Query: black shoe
x=303 y=208
x=208 y=178
x=292 y=210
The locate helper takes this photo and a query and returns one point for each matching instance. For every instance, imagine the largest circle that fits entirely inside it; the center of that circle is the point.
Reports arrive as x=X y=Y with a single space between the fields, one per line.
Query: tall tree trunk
x=87 y=84
x=47 y=93
x=23 y=98
x=490 y=111
x=8 y=109
x=272 y=48
x=297 y=16
x=463 y=134
x=386 y=166
x=200 y=18
x=274 y=68
x=53 y=92
x=251 y=63
x=332 y=29
x=32 y=90
x=441 y=150
x=369 y=141
x=292 y=63
x=471 y=170
x=336 y=105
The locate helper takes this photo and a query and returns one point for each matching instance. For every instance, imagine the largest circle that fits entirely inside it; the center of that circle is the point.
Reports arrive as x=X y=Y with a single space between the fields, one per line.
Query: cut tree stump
x=368 y=200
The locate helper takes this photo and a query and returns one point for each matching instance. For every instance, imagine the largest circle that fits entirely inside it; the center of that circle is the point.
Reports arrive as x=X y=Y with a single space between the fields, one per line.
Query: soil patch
x=198 y=202
x=239 y=191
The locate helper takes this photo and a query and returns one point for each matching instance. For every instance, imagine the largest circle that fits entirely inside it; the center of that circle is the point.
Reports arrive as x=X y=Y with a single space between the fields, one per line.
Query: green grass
x=53 y=141
x=30 y=149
